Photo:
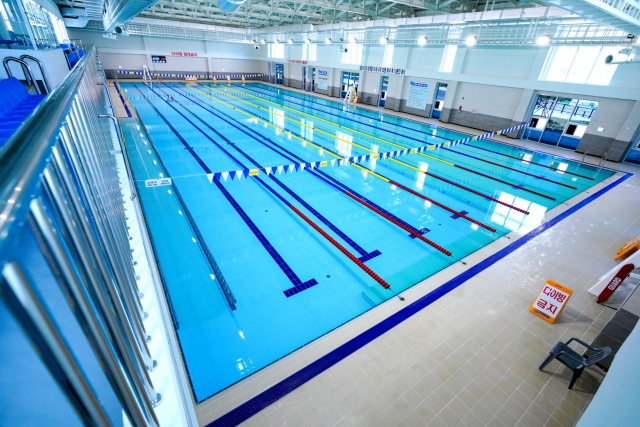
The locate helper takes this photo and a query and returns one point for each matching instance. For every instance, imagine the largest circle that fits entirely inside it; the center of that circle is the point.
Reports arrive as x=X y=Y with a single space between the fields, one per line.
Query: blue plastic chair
x=573 y=360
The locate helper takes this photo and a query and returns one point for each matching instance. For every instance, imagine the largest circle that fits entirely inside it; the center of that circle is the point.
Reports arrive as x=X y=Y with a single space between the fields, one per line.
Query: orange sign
x=550 y=301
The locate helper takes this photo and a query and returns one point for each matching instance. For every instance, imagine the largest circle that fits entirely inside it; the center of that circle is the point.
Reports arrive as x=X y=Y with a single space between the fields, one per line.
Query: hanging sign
x=550 y=301
x=184 y=53
x=418 y=95
x=157 y=182
x=383 y=70
x=323 y=79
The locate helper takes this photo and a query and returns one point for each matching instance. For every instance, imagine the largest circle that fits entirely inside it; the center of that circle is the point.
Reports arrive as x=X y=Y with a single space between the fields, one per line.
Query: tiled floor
x=470 y=358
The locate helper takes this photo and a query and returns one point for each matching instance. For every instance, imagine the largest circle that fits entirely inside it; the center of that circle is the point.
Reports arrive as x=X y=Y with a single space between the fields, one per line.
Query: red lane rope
x=422 y=196
x=527 y=173
x=486 y=196
x=342 y=249
x=545 y=166
x=399 y=224
x=506 y=182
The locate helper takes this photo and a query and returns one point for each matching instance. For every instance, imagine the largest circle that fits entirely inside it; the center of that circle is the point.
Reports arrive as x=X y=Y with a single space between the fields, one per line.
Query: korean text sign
x=550 y=301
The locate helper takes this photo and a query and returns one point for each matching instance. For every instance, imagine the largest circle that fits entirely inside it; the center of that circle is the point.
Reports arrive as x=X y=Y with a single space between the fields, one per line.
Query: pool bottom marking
x=280 y=262
x=361 y=251
x=297 y=284
x=336 y=184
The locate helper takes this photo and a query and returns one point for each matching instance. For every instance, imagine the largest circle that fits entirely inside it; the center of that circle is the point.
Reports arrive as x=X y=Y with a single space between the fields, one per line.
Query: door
x=438 y=100
x=313 y=80
x=382 y=97
x=559 y=121
x=304 y=78
x=279 y=74
x=349 y=80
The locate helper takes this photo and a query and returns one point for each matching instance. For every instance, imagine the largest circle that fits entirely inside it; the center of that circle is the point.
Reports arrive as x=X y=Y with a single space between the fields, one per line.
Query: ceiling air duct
x=230 y=5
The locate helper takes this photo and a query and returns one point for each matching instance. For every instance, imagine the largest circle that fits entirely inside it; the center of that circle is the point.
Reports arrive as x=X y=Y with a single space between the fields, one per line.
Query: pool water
x=291 y=283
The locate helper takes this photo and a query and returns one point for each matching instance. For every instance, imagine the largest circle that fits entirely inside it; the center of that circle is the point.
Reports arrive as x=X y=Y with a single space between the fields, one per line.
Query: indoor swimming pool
x=268 y=239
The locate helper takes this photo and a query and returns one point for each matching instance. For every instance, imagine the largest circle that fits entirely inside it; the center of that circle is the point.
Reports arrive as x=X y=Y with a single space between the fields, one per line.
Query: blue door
x=348 y=80
x=438 y=102
x=313 y=80
x=279 y=74
x=384 y=83
x=304 y=78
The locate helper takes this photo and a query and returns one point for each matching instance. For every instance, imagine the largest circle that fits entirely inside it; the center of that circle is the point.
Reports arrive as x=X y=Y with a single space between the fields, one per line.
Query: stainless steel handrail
x=44 y=76
x=26 y=69
x=61 y=158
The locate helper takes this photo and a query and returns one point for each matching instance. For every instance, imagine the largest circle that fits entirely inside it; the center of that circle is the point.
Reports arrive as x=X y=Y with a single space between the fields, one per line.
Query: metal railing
x=59 y=182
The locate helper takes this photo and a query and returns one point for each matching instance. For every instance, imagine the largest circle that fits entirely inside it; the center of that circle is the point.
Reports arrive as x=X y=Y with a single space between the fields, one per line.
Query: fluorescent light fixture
x=308 y=41
x=353 y=40
x=422 y=41
x=384 y=40
x=471 y=40
x=328 y=40
x=543 y=40
x=290 y=41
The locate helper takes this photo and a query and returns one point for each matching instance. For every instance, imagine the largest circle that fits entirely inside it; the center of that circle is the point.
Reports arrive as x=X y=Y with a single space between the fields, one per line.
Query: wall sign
x=159 y=59
x=323 y=79
x=550 y=301
x=297 y=61
x=385 y=70
x=149 y=183
x=418 y=95
x=184 y=53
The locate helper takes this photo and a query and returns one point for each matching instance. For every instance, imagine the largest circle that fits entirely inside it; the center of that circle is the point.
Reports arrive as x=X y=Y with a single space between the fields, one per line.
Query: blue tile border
x=289 y=384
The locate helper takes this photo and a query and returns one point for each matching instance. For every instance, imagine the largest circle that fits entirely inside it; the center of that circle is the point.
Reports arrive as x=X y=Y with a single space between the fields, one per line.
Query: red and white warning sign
x=550 y=301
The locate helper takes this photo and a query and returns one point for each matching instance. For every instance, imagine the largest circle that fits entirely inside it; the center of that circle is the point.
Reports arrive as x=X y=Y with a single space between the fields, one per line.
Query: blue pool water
x=290 y=283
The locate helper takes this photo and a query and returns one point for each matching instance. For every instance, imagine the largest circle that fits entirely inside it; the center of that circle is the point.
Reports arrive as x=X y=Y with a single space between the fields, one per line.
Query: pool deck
x=471 y=357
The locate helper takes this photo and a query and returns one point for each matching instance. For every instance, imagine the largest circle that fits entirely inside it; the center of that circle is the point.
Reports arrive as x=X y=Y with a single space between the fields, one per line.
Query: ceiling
x=269 y=13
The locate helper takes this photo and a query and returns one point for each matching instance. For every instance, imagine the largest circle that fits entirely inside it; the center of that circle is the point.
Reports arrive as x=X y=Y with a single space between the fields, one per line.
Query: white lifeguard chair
x=146 y=77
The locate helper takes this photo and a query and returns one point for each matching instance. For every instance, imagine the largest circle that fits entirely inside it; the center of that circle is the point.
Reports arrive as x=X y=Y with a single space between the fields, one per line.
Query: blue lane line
x=318 y=215
x=272 y=94
x=115 y=84
x=426 y=124
x=291 y=275
x=289 y=384
x=318 y=173
x=355 y=121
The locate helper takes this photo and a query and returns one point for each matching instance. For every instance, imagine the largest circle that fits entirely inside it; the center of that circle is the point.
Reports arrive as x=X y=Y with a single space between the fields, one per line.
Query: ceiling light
x=384 y=40
x=290 y=41
x=422 y=41
x=263 y=41
x=471 y=40
x=308 y=41
x=543 y=40
x=327 y=40
x=353 y=40
x=276 y=41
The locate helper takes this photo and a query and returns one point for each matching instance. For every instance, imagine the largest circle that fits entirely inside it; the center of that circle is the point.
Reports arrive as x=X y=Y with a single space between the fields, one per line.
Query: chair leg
x=576 y=375
x=547 y=361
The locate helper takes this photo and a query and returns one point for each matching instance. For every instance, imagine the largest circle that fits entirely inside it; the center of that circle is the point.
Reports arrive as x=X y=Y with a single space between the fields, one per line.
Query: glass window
x=388 y=56
x=602 y=73
x=449 y=55
x=276 y=50
x=353 y=55
x=584 y=64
